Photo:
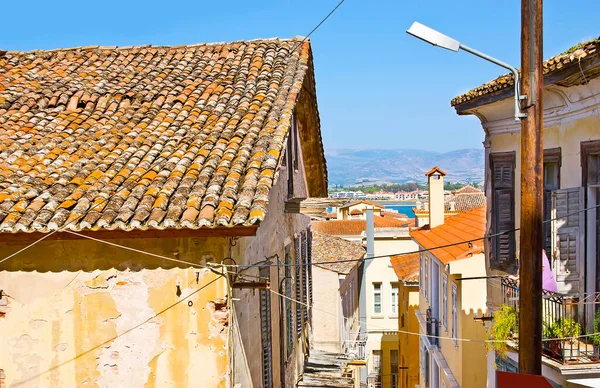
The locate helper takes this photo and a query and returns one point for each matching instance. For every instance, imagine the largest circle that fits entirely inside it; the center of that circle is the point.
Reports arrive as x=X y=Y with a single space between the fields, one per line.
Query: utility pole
x=532 y=164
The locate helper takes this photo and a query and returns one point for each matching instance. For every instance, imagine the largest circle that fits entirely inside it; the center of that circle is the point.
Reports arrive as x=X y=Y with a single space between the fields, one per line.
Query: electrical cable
x=121 y=334
x=422 y=334
x=426 y=249
x=176 y=147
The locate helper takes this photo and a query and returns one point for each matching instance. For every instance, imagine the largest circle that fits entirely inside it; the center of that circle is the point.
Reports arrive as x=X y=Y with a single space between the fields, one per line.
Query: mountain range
x=351 y=166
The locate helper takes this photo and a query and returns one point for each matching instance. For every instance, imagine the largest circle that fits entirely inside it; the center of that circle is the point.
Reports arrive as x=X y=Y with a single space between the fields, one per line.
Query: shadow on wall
x=88 y=255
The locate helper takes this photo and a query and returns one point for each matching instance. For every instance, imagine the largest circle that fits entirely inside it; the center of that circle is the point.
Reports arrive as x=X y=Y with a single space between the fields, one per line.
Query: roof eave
x=467 y=107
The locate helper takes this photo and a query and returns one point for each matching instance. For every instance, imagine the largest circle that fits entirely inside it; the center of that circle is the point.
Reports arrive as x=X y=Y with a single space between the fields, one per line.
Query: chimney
x=435 y=179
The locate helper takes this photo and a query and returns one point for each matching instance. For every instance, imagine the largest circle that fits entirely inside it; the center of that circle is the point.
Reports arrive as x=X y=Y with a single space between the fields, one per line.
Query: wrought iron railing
x=569 y=322
x=433 y=328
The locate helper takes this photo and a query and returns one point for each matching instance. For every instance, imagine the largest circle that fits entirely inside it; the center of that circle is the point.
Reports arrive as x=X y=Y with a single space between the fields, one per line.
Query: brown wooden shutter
x=265 y=326
x=309 y=256
x=297 y=281
x=503 y=255
x=568 y=242
x=304 y=275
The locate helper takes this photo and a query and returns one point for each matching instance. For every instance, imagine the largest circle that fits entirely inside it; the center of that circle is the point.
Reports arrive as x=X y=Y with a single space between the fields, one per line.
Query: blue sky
x=377 y=87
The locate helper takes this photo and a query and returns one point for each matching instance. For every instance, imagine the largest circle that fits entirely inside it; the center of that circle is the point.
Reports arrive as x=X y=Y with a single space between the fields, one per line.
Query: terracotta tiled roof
x=326 y=248
x=385 y=213
x=355 y=212
x=467 y=190
x=462 y=202
x=575 y=56
x=186 y=136
x=355 y=227
x=465 y=226
x=406 y=267
x=434 y=170
x=375 y=204
x=465 y=201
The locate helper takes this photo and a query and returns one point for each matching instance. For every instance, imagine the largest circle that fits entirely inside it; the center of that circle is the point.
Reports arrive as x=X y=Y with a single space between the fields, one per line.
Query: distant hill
x=347 y=166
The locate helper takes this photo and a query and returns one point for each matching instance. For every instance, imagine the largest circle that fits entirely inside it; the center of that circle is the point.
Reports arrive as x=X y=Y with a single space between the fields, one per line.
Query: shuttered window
x=290 y=166
x=289 y=314
x=503 y=212
x=265 y=325
x=309 y=257
x=552 y=163
x=304 y=274
x=298 y=283
x=590 y=162
x=567 y=242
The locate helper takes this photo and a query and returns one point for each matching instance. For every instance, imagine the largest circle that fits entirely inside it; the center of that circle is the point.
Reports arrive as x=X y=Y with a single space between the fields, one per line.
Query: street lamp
x=438 y=39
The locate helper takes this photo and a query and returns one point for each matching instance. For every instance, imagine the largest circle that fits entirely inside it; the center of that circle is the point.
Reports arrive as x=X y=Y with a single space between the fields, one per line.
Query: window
x=552 y=162
x=304 y=275
x=265 y=326
x=424 y=362
x=289 y=152
x=376 y=361
x=394 y=367
x=297 y=281
x=309 y=265
x=289 y=314
x=294 y=133
x=454 y=313
x=503 y=212
x=394 y=299
x=421 y=283
x=426 y=274
x=445 y=301
x=590 y=161
x=376 y=298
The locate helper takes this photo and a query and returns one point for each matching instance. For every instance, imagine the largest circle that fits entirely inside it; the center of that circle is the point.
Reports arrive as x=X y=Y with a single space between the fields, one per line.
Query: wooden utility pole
x=532 y=165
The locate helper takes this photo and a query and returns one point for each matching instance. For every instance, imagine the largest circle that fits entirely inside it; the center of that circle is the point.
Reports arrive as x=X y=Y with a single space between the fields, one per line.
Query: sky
x=377 y=87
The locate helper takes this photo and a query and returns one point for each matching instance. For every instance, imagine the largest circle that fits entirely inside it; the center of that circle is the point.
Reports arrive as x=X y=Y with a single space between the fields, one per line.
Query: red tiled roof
x=465 y=226
x=406 y=267
x=365 y=202
x=434 y=170
x=579 y=57
x=355 y=212
x=327 y=248
x=385 y=213
x=468 y=189
x=78 y=126
x=354 y=227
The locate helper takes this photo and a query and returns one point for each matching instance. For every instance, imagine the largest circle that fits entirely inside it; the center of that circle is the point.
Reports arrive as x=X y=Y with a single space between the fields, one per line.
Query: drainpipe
x=362 y=302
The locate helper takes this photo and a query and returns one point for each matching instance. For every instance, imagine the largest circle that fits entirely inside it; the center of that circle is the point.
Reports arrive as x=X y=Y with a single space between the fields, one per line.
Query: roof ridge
x=297 y=38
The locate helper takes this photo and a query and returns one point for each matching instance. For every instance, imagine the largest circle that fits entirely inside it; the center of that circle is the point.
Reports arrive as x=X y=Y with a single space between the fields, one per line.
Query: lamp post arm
x=512 y=69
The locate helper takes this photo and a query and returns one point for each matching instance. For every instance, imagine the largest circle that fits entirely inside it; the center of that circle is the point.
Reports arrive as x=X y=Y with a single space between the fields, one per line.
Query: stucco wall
x=87 y=314
x=408 y=345
x=326 y=332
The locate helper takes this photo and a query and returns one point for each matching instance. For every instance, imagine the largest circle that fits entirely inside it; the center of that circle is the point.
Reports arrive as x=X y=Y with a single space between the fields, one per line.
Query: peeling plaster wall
x=86 y=314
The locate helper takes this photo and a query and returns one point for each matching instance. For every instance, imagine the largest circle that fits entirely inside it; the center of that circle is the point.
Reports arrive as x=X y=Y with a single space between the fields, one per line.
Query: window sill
x=393 y=316
x=377 y=316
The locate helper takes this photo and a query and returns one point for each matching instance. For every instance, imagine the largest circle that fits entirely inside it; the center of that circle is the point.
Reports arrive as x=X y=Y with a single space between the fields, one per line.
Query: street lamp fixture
x=438 y=39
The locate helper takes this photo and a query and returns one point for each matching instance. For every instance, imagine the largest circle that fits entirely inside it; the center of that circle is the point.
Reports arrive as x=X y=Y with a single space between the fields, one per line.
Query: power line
x=423 y=334
x=166 y=159
x=123 y=333
x=489 y=236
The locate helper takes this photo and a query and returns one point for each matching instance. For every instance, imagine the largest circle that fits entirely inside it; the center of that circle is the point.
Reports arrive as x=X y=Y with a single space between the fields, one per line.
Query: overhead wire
x=422 y=334
x=108 y=341
x=489 y=236
x=166 y=159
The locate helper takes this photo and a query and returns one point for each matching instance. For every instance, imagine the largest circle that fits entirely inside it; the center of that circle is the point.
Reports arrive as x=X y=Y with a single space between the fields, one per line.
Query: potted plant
x=503 y=328
x=556 y=333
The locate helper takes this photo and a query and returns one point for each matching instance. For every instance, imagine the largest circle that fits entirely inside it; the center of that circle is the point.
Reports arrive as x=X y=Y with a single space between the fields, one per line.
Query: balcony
x=569 y=322
x=357 y=348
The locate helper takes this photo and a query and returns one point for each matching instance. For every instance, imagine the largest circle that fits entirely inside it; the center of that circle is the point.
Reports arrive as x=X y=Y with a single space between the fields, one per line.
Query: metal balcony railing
x=357 y=348
x=567 y=326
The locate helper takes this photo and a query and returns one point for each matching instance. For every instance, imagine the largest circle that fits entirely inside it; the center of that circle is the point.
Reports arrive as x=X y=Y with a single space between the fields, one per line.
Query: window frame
x=455 y=313
x=426 y=274
x=377 y=289
x=507 y=159
x=445 y=301
x=394 y=297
